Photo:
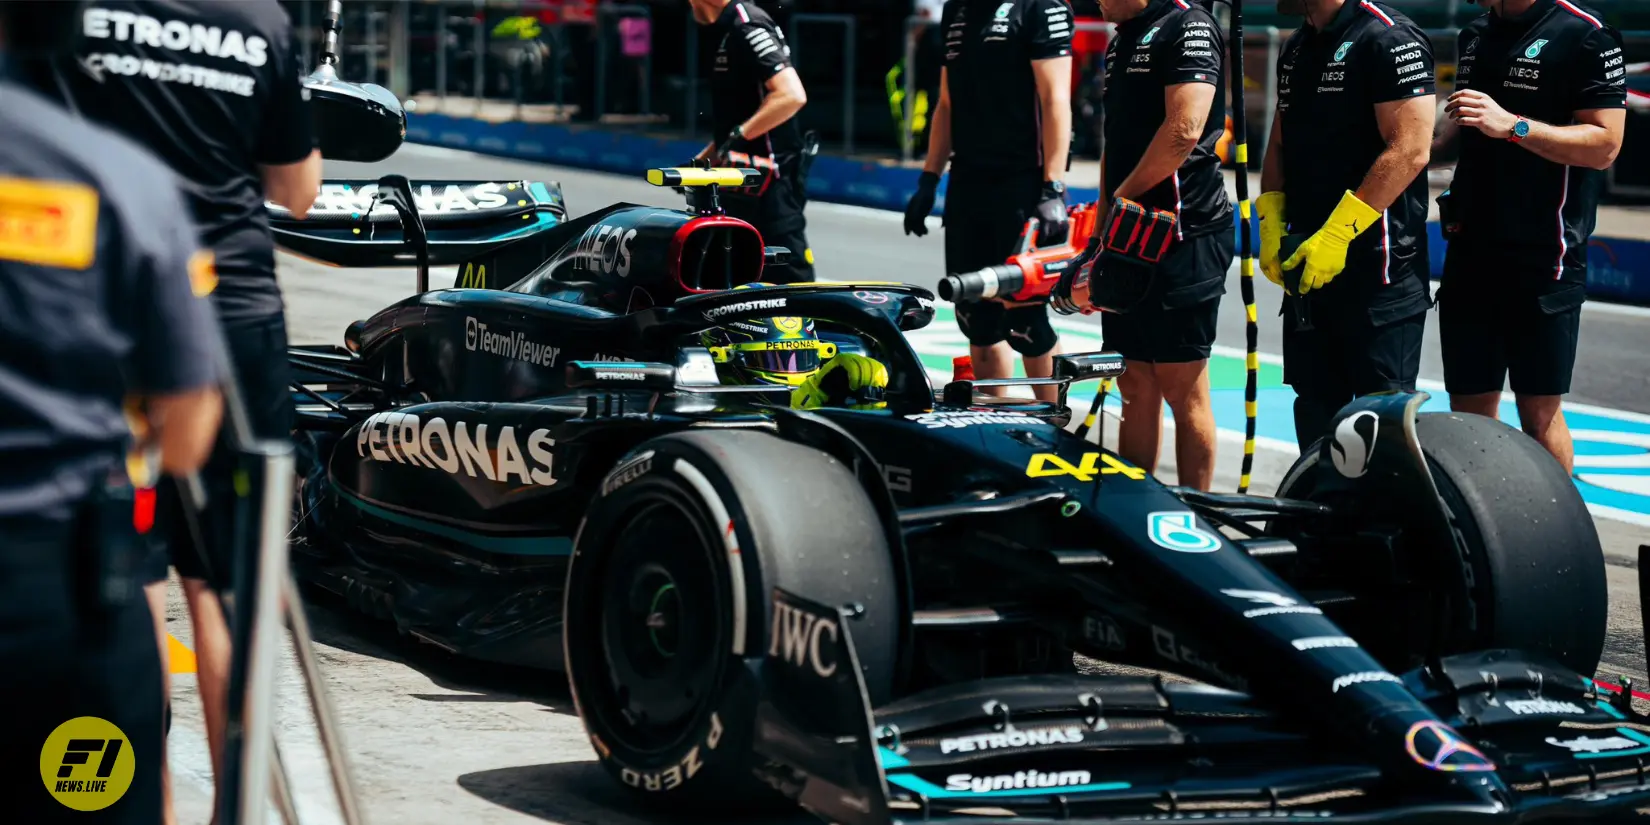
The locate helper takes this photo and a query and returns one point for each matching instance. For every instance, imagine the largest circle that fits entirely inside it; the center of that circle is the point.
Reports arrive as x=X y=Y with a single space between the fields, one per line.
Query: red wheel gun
x=1031 y=272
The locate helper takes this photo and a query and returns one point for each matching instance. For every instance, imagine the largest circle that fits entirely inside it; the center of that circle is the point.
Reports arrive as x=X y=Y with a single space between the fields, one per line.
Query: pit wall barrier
x=1619 y=268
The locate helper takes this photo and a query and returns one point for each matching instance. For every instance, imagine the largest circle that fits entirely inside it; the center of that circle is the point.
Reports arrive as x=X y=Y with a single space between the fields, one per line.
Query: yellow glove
x=1325 y=252
x=845 y=375
x=1272 y=225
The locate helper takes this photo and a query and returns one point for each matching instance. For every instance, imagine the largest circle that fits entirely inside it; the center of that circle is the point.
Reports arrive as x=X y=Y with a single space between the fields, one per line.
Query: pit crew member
x=1166 y=71
x=97 y=310
x=755 y=96
x=786 y=351
x=213 y=89
x=1540 y=111
x=1004 y=125
x=1344 y=169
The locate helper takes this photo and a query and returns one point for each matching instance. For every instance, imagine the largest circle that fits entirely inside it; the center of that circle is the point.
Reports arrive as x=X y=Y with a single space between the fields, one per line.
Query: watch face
x=1521 y=128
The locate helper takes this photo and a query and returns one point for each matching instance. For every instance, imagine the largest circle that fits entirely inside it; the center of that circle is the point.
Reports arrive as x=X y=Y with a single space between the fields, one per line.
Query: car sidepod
x=454 y=520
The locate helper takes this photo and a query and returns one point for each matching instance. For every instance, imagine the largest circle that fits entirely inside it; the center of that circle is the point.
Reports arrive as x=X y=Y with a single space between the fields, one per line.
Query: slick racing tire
x=1534 y=567
x=669 y=593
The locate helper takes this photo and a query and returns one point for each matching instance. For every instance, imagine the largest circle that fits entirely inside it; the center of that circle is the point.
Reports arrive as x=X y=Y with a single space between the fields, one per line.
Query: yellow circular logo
x=87 y=763
x=788 y=323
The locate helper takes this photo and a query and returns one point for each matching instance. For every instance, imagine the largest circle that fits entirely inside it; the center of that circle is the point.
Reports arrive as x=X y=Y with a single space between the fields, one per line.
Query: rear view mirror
x=361 y=122
x=1087 y=366
x=621 y=375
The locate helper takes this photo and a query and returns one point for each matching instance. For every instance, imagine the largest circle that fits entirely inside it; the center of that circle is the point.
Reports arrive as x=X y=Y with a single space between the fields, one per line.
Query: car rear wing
x=364 y=223
x=1100 y=748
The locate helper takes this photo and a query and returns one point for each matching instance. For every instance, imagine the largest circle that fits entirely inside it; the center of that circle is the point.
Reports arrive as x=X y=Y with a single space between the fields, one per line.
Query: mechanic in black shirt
x=1344 y=169
x=1164 y=76
x=214 y=89
x=100 y=273
x=1541 y=93
x=755 y=96
x=1004 y=125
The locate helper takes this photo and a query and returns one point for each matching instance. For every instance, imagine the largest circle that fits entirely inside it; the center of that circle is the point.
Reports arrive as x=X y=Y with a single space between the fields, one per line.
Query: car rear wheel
x=669 y=594
x=1533 y=575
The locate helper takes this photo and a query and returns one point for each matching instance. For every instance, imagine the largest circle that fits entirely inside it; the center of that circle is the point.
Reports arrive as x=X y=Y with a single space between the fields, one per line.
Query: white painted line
x=1615 y=514
x=1623 y=310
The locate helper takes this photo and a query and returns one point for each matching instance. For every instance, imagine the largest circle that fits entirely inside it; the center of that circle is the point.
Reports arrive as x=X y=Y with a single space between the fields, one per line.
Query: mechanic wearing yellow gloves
x=786 y=351
x=1344 y=171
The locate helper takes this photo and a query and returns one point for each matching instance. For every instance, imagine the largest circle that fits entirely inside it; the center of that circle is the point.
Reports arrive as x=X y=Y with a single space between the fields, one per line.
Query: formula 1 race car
x=893 y=612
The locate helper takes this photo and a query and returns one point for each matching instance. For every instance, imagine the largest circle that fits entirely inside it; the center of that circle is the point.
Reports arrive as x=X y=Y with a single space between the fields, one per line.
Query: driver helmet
x=783 y=350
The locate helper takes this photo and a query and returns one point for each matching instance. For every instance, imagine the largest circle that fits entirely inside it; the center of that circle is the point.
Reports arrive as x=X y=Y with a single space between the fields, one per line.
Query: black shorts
x=1176 y=324
x=1344 y=355
x=985 y=213
x=1529 y=329
x=257 y=350
x=1162 y=336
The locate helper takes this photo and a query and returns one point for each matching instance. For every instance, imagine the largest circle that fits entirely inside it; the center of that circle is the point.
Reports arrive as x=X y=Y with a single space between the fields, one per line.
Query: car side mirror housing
x=775 y=256
x=361 y=122
x=1088 y=366
x=649 y=376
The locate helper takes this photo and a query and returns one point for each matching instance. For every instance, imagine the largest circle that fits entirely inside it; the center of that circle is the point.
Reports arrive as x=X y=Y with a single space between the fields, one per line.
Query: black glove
x=1051 y=216
x=1076 y=277
x=722 y=151
x=921 y=203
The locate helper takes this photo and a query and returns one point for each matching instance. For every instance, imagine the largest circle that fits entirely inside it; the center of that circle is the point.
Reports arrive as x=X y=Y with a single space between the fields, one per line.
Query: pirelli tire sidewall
x=779 y=499
x=1534 y=563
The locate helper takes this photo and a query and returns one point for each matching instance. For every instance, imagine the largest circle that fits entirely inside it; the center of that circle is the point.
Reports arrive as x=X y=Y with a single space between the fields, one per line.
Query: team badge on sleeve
x=48 y=223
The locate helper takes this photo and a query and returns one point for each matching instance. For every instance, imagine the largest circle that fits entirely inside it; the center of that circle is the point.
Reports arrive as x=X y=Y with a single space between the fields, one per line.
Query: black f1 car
x=881 y=614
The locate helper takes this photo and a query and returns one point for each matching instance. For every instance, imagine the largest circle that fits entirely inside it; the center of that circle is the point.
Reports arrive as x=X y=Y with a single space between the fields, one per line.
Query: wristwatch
x=1520 y=130
x=1054 y=188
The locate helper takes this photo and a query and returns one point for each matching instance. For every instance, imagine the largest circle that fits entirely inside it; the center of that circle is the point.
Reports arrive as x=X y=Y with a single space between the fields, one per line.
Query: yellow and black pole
x=1246 y=272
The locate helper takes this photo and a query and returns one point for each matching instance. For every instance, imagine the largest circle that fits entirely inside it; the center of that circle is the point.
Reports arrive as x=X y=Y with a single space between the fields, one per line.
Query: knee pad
x=981 y=322
x=1030 y=332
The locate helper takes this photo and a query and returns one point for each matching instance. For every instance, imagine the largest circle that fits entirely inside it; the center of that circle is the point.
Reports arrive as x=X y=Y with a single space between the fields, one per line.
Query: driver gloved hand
x=847 y=375
x=1052 y=221
x=921 y=203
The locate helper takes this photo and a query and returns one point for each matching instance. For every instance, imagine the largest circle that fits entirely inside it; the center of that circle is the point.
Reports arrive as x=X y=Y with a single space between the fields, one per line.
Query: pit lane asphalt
x=436 y=740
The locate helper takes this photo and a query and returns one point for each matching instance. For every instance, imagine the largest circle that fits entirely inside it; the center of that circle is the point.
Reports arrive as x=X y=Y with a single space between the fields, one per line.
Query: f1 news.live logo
x=87 y=763
x=80 y=752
